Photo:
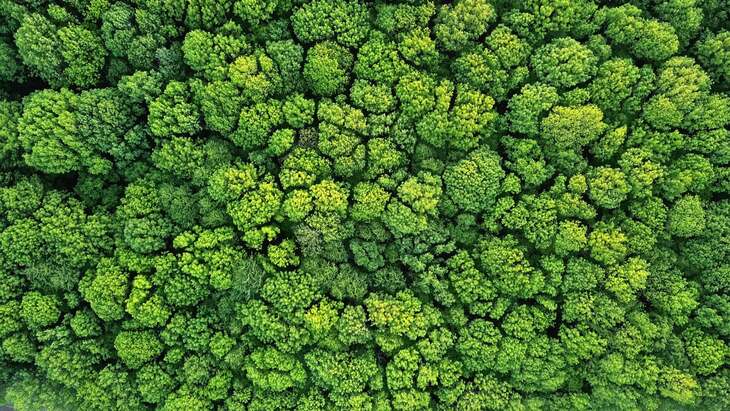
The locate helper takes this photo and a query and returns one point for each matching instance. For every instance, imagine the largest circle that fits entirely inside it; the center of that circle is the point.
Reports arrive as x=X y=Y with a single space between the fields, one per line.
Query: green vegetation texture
x=365 y=205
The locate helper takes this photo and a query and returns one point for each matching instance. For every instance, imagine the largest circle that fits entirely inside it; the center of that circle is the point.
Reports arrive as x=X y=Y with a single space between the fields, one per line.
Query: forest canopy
x=365 y=205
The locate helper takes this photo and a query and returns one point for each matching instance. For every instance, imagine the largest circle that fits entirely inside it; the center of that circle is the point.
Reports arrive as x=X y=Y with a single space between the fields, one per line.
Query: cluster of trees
x=364 y=205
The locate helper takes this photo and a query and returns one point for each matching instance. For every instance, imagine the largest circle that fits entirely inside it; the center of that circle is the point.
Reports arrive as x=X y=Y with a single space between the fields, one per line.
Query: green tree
x=136 y=348
x=564 y=62
x=473 y=183
x=645 y=38
x=38 y=310
x=326 y=69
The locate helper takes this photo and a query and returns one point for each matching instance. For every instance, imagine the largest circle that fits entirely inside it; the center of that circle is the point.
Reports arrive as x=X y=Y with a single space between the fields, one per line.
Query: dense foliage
x=365 y=205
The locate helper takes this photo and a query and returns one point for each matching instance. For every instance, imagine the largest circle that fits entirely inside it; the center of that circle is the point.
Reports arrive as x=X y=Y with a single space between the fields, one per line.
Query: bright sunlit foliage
x=365 y=205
